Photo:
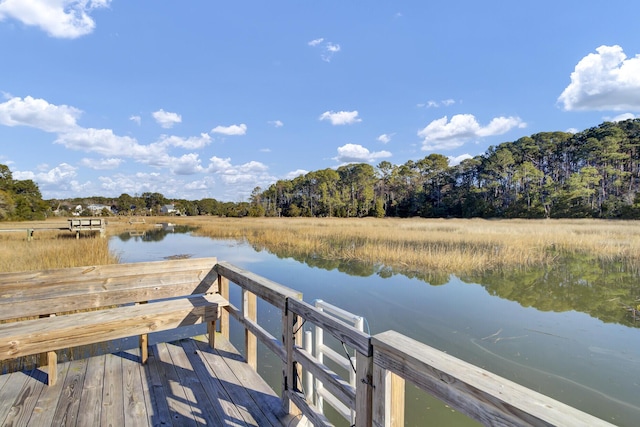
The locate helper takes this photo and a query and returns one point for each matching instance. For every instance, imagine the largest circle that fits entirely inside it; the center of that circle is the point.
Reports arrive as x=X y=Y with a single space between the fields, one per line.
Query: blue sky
x=203 y=98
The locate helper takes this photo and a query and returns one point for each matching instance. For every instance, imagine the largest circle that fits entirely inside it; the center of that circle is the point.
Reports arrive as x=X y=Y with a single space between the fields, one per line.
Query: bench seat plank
x=54 y=333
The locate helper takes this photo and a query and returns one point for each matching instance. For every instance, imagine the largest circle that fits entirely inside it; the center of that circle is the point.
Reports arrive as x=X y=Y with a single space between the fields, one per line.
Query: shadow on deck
x=184 y=382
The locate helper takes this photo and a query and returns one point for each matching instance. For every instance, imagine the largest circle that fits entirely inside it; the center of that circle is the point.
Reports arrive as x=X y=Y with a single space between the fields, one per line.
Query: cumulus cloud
x=341 y=117
x=606 y=80
x=240 y=180
x=61 y=120
x=384 y=138
x=191 y=143
x=136 y=119
x=232 y=130
x=166 y=119
x=458 y=159
x=59 y=18
x=187 y=164
x=101 y=164
x=442 y=134
x=622 y=117
x=296 y=173
x=39 y=114
x=60 y=180
x=357 y=153
x=315 y=42
x=276 y=123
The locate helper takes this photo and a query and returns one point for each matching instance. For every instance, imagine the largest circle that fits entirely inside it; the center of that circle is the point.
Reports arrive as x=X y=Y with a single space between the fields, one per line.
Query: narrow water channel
x=586 y=355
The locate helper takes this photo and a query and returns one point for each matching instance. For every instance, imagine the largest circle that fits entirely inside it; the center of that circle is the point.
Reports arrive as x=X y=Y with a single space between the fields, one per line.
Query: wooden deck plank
x=218 y=396
x=11 y=389
x=260 y=392
x=112 y=400
x=179 y=407
x=159 y=412
x=25 y=402
x=176 y=387
x=90 y=408
x=202 y=409
x=223 y=364
x=71 y=393
x=135 y=410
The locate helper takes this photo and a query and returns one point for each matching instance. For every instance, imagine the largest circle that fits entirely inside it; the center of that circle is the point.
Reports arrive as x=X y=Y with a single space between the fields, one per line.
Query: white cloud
x=296 y=173
x=187 y=164
x=136 y=119
x=240 y=180
x=191 y=143
x=39 y=114
x=341 y=117
x=384 y=138
x=166 y=119
x=442 y=134
x=101 y=164
x=357 y=153
x=56 y=175
x=316 y=42
x=276 y=123
x=459 y=159
x=103 y=142
x=58 y=18
x=435 y=104
x=622 y=117
x=606 y=80
x=232 y=130
x=327 y=49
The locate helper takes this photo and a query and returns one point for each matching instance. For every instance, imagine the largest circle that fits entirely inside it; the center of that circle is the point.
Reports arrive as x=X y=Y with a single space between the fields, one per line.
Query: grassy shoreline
x=452 y=245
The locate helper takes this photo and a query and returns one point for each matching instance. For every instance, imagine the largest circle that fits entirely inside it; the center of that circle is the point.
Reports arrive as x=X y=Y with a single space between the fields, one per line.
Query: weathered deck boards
x=184 y=382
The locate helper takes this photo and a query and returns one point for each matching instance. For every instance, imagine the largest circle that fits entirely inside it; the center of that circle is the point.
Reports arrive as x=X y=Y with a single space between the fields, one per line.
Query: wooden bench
x=45 y=311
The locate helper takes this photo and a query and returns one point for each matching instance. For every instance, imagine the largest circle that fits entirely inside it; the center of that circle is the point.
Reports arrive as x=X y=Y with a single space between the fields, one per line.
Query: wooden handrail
x=478 y=393
x=383 y=363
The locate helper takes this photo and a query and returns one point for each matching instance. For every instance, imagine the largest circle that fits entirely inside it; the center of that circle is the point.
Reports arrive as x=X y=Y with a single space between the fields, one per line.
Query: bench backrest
x=44 y=292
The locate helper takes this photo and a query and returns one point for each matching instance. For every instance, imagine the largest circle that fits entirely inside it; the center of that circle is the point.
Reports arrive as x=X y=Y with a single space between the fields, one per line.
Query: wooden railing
x=384 y=362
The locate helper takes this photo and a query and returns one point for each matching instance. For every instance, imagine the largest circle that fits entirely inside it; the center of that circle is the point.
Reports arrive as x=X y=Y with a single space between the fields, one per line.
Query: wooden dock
x=204 y=381
x=184 y=383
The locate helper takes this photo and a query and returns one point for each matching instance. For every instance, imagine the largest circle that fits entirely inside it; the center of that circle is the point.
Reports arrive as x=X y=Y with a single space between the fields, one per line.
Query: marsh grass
x=452 y=245
x=51 y=249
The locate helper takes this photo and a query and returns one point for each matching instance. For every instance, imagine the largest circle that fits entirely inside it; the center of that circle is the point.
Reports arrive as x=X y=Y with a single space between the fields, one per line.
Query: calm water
x=556 y=334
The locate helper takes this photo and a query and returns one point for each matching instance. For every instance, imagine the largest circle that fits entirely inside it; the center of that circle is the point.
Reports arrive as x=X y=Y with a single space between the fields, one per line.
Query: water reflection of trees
x=155 y=234
x=579 y=283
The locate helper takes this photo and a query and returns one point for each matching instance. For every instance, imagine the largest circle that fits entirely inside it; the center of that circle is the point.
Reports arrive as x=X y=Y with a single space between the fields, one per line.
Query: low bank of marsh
x=425 y=245
x=454 y=245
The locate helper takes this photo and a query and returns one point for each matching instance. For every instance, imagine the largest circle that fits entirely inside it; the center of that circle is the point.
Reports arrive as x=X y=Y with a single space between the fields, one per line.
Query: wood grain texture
x=478 y=393
x=47 y=334
x=272 y=292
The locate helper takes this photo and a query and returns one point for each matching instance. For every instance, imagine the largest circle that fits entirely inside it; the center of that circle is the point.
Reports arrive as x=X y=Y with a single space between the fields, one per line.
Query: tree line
x=590 y=174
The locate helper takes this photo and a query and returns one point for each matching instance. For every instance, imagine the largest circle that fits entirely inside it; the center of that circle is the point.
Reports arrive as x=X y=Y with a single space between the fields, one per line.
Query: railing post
x=223 y=290
x=308 y=378
x=364 y=390
x=292 y=334
x=249 y=312
x=388 y=398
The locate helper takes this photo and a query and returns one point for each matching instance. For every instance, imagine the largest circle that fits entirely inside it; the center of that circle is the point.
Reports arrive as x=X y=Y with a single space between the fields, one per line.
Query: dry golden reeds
x=452 y=245
x=51 y=249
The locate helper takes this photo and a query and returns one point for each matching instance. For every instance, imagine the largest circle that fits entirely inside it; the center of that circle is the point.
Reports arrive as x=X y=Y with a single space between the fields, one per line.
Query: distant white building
x=97 y=209
x=169 y=210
